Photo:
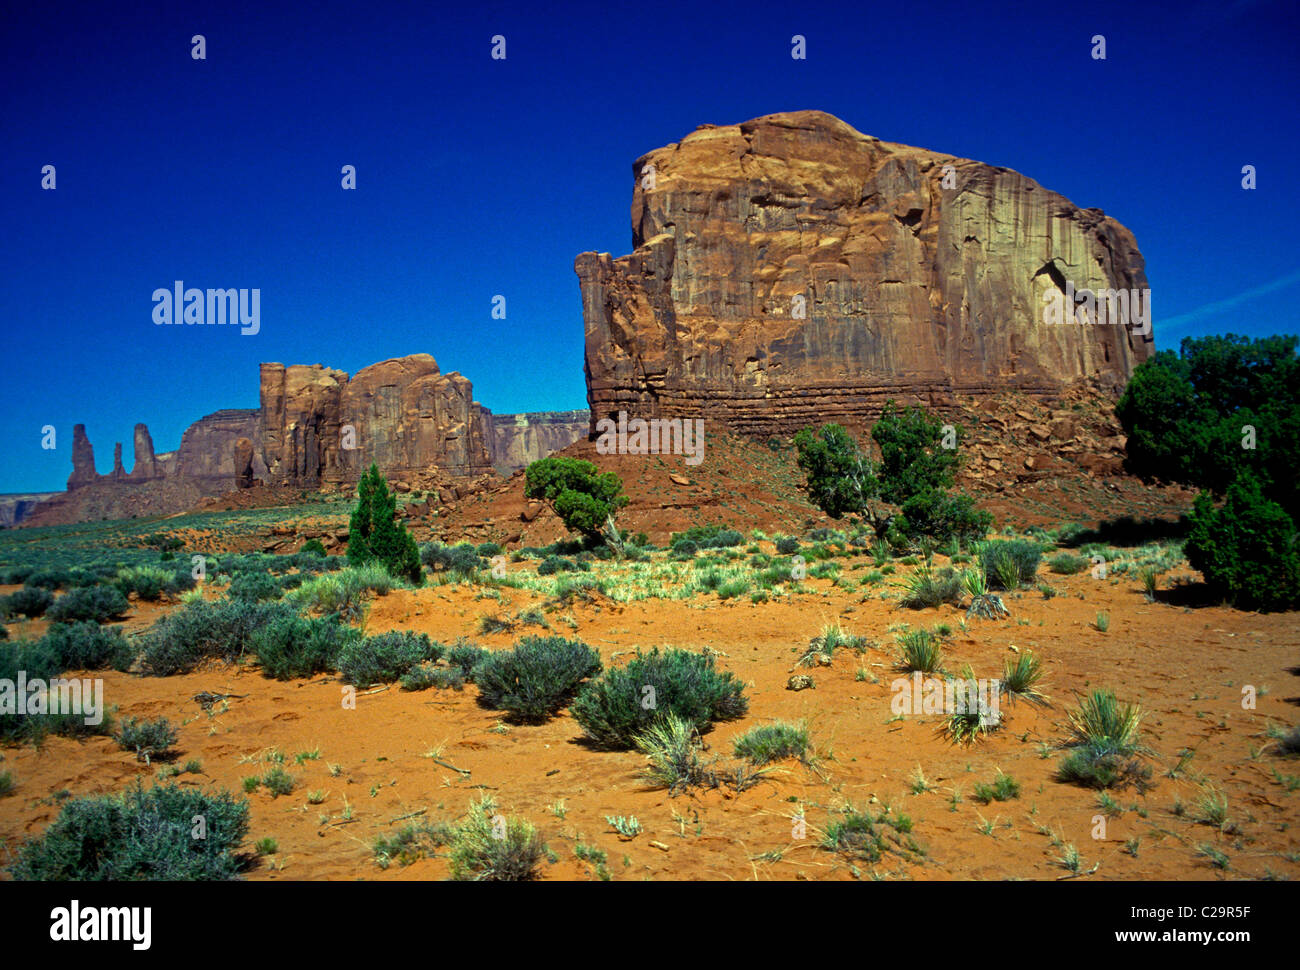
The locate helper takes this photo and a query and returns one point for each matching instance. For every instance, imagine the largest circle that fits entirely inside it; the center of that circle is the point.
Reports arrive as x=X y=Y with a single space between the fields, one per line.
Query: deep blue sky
x=479 y=177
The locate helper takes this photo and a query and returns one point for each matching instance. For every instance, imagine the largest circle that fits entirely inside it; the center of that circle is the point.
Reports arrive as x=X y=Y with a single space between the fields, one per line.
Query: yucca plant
x=982 y=602
x=920 y=650
x=1101 y=720
x=1020 y=677
x=1149 y=577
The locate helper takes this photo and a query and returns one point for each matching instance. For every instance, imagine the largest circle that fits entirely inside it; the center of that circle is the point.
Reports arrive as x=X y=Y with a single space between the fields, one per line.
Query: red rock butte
x=790 y=271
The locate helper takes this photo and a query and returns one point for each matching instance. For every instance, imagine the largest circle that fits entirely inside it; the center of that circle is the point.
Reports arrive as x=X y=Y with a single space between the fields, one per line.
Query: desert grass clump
x=831 y=638
x=928 y=587
x=535 y=679
x=488 y=847
x=973 y=715
x=1021 y=675
x=858 y=835
x=672 y=749
x=142 y=835
x=1212 y=808
x=774 y=742
x=919 y=650
x=148 y=739
x=1102 y=623
x=6 y=783
x=414 y=841
x=1067 y=564
x=1106 y=745
x=1003 y=788
x=619 y=705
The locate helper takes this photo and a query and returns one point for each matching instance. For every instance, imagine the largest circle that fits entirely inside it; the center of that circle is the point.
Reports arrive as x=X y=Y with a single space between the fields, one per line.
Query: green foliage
x=385 y=658
x=148 y=739
x=376 y=534
x=314 y=547
x=89 y=646
x=98 y=603
x=913 y=473
x=558 y=564
x=913 y=460
x=1067 y=564
x=534 y=680
x=672 y=749
x=488 y=847
x=202 y=630
x=1185 y=415
x=842 y=479
x=619 y=705
x=1246 y=549
x=1009 y=563
x=293 y=646
x=709 y=537
x=462 y=560
x=30 y=601
x=773 y=742
x=254 y=587
x=581 y=496
x=142 y=835
x=920 y=650
x=928 y=587
x=426 y=674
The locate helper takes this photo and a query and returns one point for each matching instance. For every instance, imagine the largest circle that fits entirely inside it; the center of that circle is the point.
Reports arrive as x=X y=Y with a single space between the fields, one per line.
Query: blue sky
x=479 y=177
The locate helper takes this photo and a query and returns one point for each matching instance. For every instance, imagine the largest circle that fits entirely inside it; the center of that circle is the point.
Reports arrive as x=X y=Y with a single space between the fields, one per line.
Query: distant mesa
x=316 y=429
x=790 y=271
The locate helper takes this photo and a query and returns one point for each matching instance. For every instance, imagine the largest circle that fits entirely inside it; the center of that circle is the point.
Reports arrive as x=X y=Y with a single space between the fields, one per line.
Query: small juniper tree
x=583 y=498
x=375 y=534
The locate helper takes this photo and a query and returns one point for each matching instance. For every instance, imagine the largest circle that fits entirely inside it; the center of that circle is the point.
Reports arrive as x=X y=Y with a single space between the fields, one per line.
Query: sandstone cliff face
x=318 y=426
x=520 y=439
x=790 y=271
x=209 y=454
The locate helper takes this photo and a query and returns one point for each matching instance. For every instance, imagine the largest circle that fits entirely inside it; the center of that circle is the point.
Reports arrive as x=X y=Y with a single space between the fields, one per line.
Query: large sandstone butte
x=910 y=290
x=316 y=428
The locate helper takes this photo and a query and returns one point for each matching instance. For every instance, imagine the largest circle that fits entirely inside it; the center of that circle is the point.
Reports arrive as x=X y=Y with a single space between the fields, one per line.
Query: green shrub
x=537 y=678
x=1067 y=564
x=787 y=545
x=140 y=835
x=1010 y=563
x=148 y=739
x=294 y=646
x=937 y=515
x=385 y=658
x=618 y=706
x=313 y=547
x=558 y=564
x=1246 y=549
x=202 y=630
x=147 y=582
x=1004 y=788
x=488 y=847
x=773 y=742
x=583 y=497
x=709 y=537
x=376 y=534
x=89 y=646
x=30 y=601
x=461 y=560
x=98 y=603
x=928 y=587
x=466 y=656
x=50 y=579
x=426 y=674
x=254 y=587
